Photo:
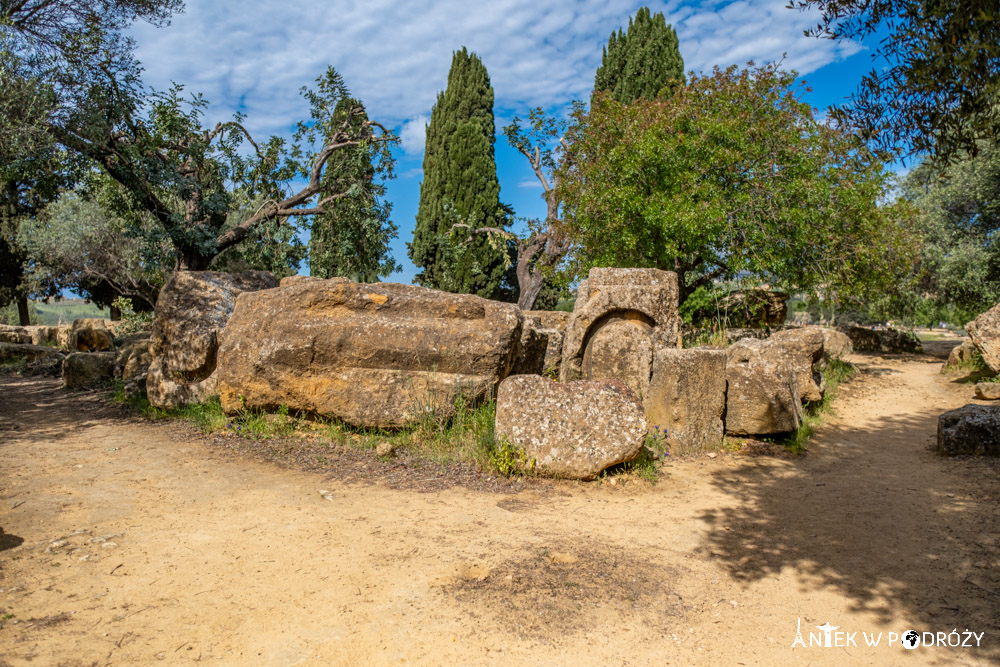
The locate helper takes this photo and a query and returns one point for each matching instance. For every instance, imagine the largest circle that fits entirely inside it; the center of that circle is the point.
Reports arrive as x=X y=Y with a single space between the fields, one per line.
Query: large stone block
x=15 y=335
x=44 y=335
x=551 y=319
x=687 y=397
x=91 y=334
x=373 y=355
x=553 y=325
x=621 y=316
x=985 y=334
x=882 y=340
x=532 y=348
x=132 y=362
x=191 y=311
x=87 y=369
x=762 y=396
x=573 y=430
x=972 y=429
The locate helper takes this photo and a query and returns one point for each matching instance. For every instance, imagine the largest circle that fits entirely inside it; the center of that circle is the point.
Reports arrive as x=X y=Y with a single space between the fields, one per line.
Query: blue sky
x=255 y=55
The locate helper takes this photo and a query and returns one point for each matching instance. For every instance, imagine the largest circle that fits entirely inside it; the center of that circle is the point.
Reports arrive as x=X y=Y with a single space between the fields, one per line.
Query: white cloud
x=412 y=135
x=395 y=55
x=530 y=183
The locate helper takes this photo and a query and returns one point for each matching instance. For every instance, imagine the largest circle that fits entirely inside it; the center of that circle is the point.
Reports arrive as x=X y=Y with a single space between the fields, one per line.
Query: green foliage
x=351 y=238
x=732 y=176
x=506 y=459
x=32 y=170
x=215 y=191
x=9 y=314
x=974 y=363
x=935 y=89
x=459 y=171
x=959 y=217
x=644 y=62
x=702 y=306
x=77 y=244
x=131 y=321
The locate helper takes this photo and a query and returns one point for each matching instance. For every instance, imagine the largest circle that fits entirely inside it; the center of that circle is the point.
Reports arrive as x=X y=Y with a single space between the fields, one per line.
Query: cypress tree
x=643 y=63
x=351 y=238
x=460 y=185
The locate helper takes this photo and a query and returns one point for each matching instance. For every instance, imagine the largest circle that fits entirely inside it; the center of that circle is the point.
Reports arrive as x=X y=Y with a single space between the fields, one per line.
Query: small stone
x=712 y=455
x=109 y=545
x=384 y=449
x=988 y=391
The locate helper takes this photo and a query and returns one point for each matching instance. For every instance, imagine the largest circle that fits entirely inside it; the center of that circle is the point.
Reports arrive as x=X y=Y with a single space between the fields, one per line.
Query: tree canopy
x=204 y=189
x=351 y=237
x=460 y=186
x=937 y=85
x=642 y=62
x=959 y=220
x=77 y=244
x=732 y=176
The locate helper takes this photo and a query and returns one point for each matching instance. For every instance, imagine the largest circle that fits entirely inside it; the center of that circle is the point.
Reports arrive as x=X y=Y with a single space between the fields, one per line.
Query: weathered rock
x=762 y=396
x=962 y=354
x=45 y=335
x=892 y=341
x=972 y=429
x=26 y=352
x=754 y=308
x=622 y=350
x=574 y=429
x=132 y=362
x=374 y=355
x=91 y=334
x=687 y=397
x=86 y=369
x=32 y=359
x=804 y=352
x=14 y=334
x=553 y=352
x=554 y=324
x=551 y=319
x=985 y=334
x=988 y=391
x=531 y=348
x=620 y=317
x=836 y=344
x=191 y=311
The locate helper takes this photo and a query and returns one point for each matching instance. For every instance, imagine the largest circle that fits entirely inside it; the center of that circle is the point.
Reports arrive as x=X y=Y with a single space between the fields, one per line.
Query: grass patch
x=813 y=413
x=467 y=435
x=645 y=466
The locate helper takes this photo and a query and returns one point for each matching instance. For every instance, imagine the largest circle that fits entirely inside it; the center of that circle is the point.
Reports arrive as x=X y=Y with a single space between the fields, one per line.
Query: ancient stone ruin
x=192 y=309
x=621 y=317
x=573 y=430
x=374 y=355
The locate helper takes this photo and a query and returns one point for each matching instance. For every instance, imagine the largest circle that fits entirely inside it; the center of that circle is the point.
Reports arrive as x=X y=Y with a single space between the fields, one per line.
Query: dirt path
x=131 y=543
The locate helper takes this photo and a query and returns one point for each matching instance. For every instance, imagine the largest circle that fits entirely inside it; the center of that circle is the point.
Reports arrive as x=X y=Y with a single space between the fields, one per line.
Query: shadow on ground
x=872 y=513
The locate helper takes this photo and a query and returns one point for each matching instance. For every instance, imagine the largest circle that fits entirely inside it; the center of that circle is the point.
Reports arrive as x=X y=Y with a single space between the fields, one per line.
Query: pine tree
x=351 y=238
x=641 y=63
x=460 y=186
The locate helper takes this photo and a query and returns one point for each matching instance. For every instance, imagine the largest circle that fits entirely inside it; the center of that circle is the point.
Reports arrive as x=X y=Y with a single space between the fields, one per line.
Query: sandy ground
x=131 y=543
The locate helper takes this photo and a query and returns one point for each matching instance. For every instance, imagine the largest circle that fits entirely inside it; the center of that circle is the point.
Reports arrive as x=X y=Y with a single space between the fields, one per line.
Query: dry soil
x=126 y=542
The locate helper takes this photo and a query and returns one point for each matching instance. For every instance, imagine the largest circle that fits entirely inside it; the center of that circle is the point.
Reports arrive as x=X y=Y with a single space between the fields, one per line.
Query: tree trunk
x=192 y=260
x=116 y=313
x=22 y=311
x=530 y=290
